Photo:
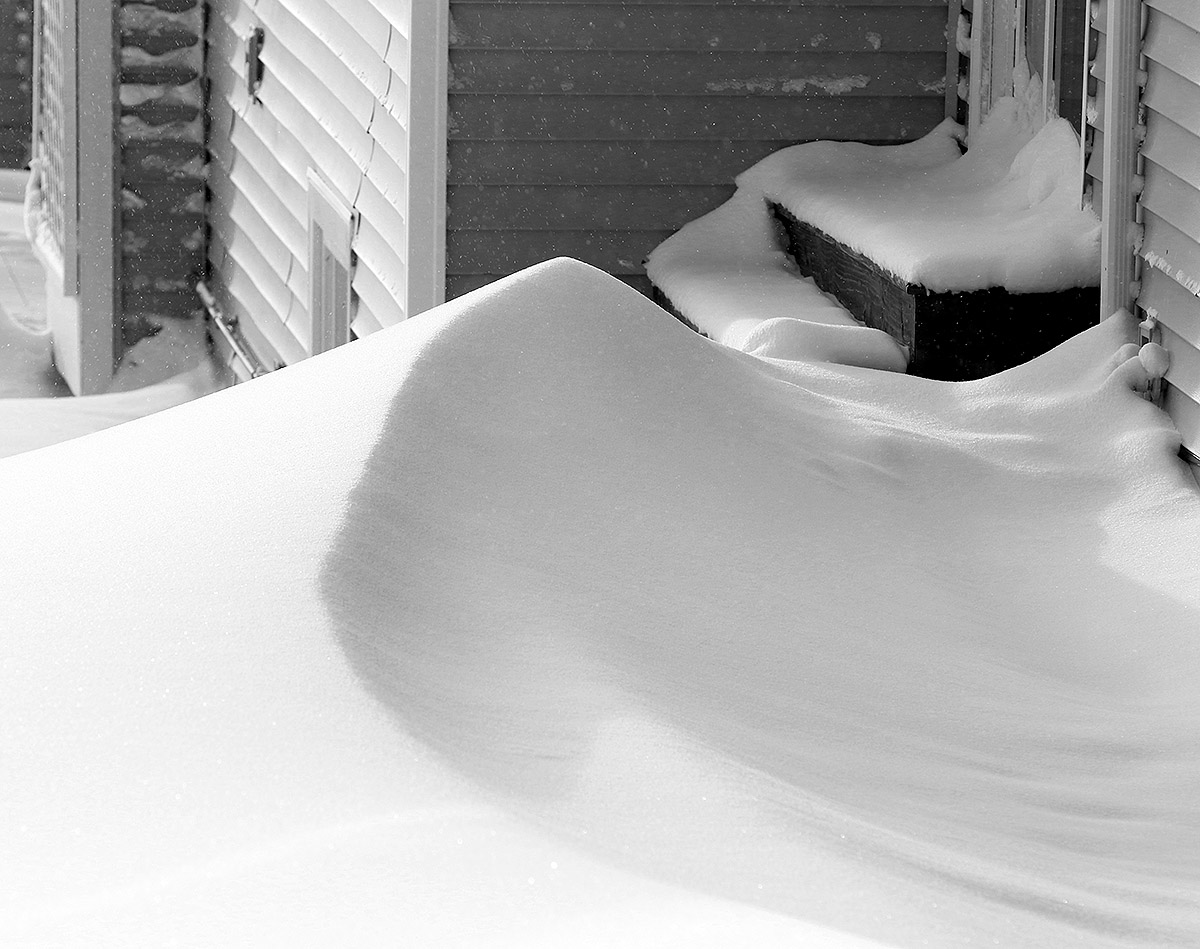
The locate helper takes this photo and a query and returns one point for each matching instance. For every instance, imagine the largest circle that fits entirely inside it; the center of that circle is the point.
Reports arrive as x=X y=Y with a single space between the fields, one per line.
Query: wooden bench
x=951 y=336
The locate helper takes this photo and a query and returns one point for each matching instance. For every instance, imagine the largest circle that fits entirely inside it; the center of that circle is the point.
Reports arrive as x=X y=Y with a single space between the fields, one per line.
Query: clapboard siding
x=672 y=73
x=1174 y=251
x=333 y=98
x=713 y=3
x=1170 y=249
x=458 y=285
x=697 y=162
x=767 y=122
x=575 y=207
x=1169 y=205
x=1094 y=111
x=594 y=129
x=781 y=28
x=616 y=251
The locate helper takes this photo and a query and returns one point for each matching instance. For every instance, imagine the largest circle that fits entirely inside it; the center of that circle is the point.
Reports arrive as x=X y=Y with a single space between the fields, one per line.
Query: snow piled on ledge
x=725 y=272
x=1005 y=214
x=540 y=620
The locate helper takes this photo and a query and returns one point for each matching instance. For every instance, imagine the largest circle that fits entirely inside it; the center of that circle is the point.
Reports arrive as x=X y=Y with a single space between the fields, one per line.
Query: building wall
x=160 y=149
x=16 y=87
x=593 y=128
x=1168 y=210
x=333 y=98
x=1170 y=204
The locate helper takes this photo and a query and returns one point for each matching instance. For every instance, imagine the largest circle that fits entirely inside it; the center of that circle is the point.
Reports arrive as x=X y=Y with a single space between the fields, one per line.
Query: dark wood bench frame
x=952 y=336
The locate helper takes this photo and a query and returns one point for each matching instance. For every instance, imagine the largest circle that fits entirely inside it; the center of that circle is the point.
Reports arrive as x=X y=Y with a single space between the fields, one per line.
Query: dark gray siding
x=594 y=129
x=16 y=88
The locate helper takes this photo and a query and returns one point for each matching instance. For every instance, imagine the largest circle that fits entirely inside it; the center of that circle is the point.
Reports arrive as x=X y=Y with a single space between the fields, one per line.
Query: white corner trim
x=1123 y=40
x=980 y=81
x=331 y=225
x=84 y=346
x=427 y=112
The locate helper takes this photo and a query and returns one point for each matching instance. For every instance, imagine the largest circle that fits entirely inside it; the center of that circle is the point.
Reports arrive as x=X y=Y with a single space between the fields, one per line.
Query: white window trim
x=81 y=294
x=329 y=259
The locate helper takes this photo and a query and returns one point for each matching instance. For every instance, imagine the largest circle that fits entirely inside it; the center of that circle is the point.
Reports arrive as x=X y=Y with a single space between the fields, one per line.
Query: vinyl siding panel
x=689 y=28
x=333 y=97
x=616 y=251
x=1093 y=130
x=595 y=129
x=766 y=123
x=1171 y=201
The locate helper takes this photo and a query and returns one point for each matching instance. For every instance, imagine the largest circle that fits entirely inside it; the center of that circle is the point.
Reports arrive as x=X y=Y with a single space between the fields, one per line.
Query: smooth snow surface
x=540 y=620
x=1005 y=214
x=726 y=272
x=29 y=423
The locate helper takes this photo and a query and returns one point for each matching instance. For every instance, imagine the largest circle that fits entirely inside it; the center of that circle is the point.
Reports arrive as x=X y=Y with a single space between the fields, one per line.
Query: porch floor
x=171 y=367
x=26 y=363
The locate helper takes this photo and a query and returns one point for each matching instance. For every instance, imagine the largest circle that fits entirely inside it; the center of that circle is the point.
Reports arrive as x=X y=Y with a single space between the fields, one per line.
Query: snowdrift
x=728 y=276
x=1005 y=214
x=29 y=423
x=542 y=620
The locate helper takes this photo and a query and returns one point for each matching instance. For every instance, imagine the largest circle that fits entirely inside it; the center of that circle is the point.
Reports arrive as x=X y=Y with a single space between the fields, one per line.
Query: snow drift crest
x=541 y=620
x=856 y=610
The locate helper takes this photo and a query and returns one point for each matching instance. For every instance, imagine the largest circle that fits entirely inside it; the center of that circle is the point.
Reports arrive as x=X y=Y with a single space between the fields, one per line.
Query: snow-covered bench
x=971 y=262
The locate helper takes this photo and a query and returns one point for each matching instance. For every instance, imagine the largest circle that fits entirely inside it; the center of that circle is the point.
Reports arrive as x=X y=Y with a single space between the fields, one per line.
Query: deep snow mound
x=1005 y=214
x=541 y=620
x=621 y=574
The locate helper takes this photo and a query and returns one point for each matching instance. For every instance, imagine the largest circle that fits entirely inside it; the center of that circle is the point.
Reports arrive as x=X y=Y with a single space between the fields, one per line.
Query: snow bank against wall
x=541 y=620
x=1005 y=214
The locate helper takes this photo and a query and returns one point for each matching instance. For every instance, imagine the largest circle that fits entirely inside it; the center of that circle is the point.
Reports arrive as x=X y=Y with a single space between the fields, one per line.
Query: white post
x=84 y=348
x=980 y=82
x=1049 y=63
x=1004 y=49
x=1122 y=49
x=1020 y=37
x=953 y=12
x=428 y=68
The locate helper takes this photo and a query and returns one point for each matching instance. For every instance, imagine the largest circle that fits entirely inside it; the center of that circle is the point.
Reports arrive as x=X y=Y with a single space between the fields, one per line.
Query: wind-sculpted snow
x=541 y=620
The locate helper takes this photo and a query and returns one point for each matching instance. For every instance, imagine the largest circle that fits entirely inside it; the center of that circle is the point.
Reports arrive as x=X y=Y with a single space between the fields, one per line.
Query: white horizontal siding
x=376 y=304
x=1094 y=115
x=334 y=98
x=1171 y=201
x=1171 y=304
x=1184 y=373
x=239 y=293
x=1185 y=412
x=1169 y=249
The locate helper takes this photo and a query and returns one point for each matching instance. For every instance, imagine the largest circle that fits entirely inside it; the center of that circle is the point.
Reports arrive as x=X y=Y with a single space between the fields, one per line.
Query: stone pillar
x=161 y=141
